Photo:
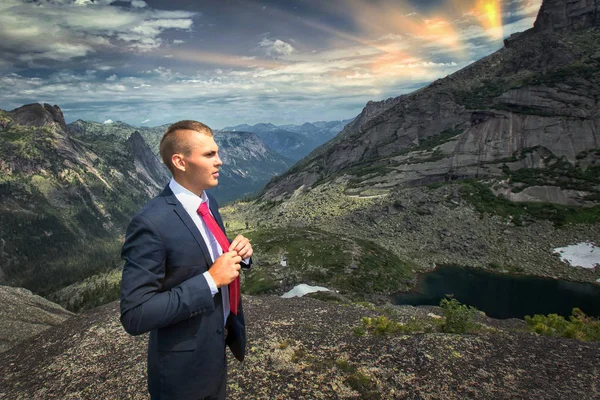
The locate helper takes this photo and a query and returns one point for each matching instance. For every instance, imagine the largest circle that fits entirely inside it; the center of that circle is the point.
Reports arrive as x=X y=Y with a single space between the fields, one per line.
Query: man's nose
x=218 y=161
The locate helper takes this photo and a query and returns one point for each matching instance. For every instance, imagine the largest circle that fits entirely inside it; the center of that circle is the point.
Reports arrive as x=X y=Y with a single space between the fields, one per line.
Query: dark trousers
x=220 y=395
x=221 y=391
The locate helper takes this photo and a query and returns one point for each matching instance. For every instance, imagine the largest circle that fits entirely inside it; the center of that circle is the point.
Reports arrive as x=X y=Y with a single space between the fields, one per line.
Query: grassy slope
x=318 y=257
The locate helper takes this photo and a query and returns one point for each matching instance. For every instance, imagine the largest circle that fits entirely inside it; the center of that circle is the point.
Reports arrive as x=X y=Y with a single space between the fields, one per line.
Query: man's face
x=202 y=164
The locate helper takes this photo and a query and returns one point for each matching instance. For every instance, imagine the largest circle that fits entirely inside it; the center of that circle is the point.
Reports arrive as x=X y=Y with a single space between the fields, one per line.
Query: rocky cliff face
x=540 y=92
x=39 y=115
x=567 y=15
x=147 y=163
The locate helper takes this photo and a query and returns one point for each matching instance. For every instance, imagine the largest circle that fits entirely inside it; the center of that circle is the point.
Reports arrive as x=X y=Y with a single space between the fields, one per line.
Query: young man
x=180 y=279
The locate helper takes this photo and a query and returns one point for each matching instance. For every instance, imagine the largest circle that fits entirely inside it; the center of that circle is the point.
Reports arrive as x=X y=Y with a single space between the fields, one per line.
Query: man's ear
x=178 y=161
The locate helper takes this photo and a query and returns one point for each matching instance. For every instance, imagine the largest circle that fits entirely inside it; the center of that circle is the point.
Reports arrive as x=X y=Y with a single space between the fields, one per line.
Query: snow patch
x=584 y=254
x=302 y=289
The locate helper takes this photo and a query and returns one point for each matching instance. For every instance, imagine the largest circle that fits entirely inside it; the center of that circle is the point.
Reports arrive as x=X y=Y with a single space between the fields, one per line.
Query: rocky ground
x=307 y=348
x=24 y=314
x=428 y=226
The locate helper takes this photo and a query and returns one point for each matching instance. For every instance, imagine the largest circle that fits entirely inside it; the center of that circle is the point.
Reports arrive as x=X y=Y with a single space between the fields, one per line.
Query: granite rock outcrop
x=541 y=92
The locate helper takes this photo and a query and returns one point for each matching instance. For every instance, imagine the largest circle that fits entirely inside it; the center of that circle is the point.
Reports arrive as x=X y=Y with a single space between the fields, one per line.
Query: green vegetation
x=343 y=364
x=430 y=142
x=54 y=234
x=559 y=172
x=572 y=74
x=350 y=265
x=269 y=204
x=363 y=384
x=91 y=292
x=27 y=143
x=480 y=95
x=75 y=265
x=484 y=201
x=258 y=281
x=358 y=380
x=579 y=326
x=382 y=325
x=458 y=318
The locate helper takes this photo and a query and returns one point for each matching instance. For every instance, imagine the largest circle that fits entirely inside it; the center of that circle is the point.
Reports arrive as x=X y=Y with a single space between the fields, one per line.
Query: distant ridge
x=293 y=141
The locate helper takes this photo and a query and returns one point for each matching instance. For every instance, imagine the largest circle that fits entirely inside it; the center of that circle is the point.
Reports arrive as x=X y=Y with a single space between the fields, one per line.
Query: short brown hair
x=173 y=142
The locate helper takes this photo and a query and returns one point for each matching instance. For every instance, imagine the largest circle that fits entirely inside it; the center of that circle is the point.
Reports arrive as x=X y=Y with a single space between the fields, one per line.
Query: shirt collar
x=189 y=200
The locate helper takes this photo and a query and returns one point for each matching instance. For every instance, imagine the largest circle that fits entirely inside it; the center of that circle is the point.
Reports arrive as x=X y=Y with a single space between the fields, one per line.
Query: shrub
x=459 y=318
x=358 y=380
x=381 y=325
x=359 y=331
x=363 y=384
x=579 y=326
x=344 y=365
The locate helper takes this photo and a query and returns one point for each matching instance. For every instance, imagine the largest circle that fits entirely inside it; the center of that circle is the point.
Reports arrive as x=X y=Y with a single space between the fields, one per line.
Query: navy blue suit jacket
x=164 y=292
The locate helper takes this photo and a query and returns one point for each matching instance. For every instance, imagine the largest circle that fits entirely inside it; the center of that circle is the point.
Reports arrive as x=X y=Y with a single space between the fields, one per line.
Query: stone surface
x=24 y=315
x=148 y=164
x=565 y=15
x=39 y=115
x=305 y=348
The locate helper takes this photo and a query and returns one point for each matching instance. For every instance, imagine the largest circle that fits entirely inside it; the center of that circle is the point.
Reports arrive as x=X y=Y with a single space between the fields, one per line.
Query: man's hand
x=242 y=246
x=226 y=268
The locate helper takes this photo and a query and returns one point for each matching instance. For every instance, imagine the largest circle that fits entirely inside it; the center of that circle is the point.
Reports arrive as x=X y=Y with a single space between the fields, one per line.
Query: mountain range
x=293 y=141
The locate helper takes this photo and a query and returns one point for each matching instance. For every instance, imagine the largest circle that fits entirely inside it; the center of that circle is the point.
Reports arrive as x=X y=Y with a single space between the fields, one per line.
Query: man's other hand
x=242 y=246
x=226 y=268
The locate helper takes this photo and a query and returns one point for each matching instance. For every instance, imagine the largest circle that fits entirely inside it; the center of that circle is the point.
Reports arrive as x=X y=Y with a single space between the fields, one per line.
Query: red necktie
x=211 y=223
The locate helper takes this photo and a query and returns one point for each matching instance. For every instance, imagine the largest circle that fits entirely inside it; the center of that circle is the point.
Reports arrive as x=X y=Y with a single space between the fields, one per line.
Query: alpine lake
x=501 y=295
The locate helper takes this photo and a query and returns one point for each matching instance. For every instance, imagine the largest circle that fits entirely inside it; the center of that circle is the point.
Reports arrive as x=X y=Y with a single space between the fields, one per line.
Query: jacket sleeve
x=145 y=305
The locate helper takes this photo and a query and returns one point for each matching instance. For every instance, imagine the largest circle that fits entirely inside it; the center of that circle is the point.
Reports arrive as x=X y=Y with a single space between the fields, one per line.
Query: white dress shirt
x=191 y=202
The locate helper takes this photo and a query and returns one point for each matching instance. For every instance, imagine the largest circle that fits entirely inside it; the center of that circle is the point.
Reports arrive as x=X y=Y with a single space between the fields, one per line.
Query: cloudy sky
x=227 y=62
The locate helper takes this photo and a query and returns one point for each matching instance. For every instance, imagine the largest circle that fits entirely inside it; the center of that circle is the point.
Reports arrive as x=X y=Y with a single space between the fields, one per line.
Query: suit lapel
x=185 y=218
